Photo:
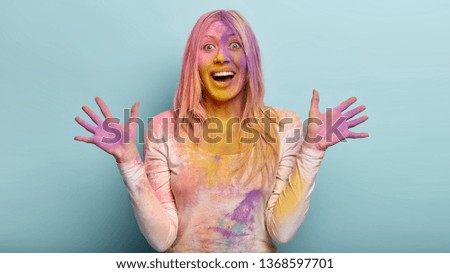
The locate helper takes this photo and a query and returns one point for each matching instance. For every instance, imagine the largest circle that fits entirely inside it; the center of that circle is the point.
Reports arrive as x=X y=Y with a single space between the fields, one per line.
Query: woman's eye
x=235 y=45
x=208 y=47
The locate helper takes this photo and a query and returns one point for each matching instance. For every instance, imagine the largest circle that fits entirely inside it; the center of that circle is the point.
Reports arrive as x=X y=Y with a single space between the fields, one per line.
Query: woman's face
x=222 y=63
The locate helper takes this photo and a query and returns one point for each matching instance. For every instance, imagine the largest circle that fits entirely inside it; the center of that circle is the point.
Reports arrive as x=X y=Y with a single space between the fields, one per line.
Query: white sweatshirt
x=186 y=199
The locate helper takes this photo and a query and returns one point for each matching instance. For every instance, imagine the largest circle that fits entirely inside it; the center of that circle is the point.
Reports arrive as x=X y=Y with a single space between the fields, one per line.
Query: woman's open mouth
x=223 y=76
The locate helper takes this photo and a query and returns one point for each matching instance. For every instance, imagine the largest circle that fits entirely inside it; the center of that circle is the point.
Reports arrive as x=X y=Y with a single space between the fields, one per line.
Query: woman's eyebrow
x=226 y=35
x=232 y=35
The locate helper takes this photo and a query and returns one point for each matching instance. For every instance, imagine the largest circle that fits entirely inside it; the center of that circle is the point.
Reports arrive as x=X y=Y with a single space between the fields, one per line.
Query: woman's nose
x=222 y=56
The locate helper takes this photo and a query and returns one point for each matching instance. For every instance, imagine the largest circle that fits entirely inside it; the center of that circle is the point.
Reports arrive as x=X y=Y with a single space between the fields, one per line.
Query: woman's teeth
x=223 y=75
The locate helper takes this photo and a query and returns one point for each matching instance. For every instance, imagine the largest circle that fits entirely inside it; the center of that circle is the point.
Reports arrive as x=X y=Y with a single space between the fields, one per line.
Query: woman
x=222 y=172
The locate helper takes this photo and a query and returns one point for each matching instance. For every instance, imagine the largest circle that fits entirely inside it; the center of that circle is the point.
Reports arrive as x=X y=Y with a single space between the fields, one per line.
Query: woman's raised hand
x=109 y=135
x=327 y=129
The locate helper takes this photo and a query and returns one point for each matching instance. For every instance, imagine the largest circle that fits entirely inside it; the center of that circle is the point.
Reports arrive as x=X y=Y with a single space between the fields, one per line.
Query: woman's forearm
x=157 y=221
x=289 y=203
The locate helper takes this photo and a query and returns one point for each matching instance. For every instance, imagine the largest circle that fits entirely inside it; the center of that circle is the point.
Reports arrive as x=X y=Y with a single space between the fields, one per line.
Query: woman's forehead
x=219 y=28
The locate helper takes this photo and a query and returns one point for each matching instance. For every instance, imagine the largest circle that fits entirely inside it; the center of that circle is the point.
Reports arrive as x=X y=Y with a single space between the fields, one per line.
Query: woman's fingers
x=357 y=135
x=355 y=111
x=103 y=107
x=86 y=125
x=84 y=139
x=134 y=110
x=345 y=104
x=315 y=102
x=354 y=122
x=133 y=120
x=92 y=115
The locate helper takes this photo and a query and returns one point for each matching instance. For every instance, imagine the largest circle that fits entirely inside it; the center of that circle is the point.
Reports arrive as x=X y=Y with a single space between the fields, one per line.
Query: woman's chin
x=222 y=95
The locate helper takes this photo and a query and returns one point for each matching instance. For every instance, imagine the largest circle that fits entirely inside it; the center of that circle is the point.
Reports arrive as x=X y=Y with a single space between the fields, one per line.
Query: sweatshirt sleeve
x=148 y=186
x=289 y=201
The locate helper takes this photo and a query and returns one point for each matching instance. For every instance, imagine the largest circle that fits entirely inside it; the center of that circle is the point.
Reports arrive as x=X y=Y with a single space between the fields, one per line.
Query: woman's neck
x=225 y=111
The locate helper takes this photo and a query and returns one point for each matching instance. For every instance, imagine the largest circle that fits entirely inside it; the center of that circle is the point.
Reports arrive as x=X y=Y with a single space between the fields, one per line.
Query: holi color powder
x=240 y=223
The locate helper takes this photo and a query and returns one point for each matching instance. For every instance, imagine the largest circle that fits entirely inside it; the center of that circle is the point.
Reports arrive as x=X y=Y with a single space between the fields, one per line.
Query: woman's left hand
x=327 y=129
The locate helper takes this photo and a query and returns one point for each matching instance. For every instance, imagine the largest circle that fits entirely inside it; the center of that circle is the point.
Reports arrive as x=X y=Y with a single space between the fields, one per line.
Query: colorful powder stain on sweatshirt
x=240 y=223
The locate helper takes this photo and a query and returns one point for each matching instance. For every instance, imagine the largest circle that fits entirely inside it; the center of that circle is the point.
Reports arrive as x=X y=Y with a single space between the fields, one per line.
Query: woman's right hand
x=115 y=138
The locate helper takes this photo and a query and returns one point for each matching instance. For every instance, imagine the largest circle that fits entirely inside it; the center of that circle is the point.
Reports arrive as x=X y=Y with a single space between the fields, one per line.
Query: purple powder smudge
x=243 y=213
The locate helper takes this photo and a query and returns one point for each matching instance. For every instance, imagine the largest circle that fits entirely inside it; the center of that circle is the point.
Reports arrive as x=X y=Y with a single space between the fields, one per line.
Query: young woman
x=222 y=172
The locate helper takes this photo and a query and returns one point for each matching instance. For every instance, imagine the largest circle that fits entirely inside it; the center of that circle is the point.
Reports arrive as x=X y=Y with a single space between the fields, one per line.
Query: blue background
x=387 y=193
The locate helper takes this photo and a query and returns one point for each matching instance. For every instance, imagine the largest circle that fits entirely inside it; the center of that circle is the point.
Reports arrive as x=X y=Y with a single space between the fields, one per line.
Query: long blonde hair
x=189 y=102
